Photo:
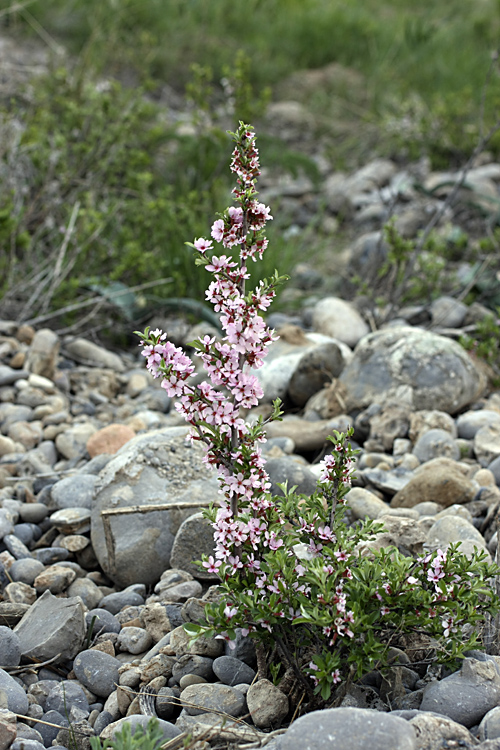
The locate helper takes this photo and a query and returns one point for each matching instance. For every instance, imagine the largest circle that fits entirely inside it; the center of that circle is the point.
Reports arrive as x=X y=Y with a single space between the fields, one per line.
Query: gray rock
x=97 y=671
x=435 y=372
x=12 y=695
x=205 y=697
x=178 y=593
x=155 y=468
x=465 y=696
x=365 y=504
x=10 y=647
x=494 y=467
x=295 y=472
x=450 y=529
x=232 y=671
x=167 y=703
x=339 y=319
x=86 y=589
x=436 y=443
x=114 y=603
x=87 y=353
x=40 y=690
x=487 y=443
x=72 y=443
x=194 y=538
x=134 y=640
x=103 y=720
x=26 y=732
x=25 y=570
x=15 y=546
x=137 y=720
x=33 y=512
x=26 y=532
x=50 y=726
x=6 y=525
x=8 y=375
x=349 y=729
x=43 y=353
x=389 y=482
x=10 y=413
x=448 y=312
x=52 y=627
x=434 y=732
x=104 y=622
x=489 y=728
x=268 y=706
x=193 y=664
x=315 y=369
x=27 y=745
x=64 y=695
x=471 y=421
x=71 y=492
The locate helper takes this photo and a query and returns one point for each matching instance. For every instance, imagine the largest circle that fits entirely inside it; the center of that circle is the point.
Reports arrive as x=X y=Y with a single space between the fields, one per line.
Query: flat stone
x=86 y=352
x=471 y=421
x=52 y=627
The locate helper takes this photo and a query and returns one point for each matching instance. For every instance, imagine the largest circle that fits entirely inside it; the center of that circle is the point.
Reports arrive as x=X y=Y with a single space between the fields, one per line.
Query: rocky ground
x=100 y=524
x=100 y=495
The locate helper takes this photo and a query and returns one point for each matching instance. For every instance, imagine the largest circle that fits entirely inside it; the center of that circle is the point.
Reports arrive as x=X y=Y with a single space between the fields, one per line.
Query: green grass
x=427 y=47
x=143 y=190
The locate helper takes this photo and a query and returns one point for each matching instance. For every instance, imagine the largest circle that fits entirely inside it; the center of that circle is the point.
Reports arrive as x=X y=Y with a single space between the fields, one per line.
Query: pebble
x=232 y=671
x=268 y=706
x=203 y=697
x=10 y=648
x=97 y=671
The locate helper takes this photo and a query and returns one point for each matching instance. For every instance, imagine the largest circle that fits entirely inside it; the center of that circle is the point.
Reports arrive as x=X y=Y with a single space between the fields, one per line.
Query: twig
x=16 y=7
x=60 y=257
x=31 y=667
x=42 y=33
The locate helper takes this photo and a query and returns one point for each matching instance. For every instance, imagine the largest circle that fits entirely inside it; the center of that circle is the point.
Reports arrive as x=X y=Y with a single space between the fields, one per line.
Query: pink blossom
x=212 y=565
x=202 y=245
x=218 y=230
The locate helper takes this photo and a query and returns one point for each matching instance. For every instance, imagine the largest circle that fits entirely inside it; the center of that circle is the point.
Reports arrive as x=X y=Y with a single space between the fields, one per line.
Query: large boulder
x=157 y=468
x=436 y=372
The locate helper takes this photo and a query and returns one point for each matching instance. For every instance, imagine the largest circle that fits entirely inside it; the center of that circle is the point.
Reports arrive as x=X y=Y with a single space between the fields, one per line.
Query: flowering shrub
x=292 y=571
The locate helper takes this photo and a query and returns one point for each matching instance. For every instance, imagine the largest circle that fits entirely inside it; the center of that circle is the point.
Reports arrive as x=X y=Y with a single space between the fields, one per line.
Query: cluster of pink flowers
x=336 y=467
x=244 y=483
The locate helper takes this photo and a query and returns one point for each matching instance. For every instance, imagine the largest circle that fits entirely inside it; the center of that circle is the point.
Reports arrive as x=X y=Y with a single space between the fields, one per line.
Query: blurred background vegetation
x=119 y=155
